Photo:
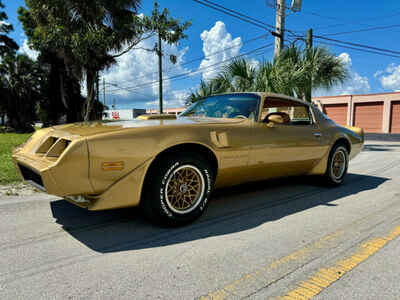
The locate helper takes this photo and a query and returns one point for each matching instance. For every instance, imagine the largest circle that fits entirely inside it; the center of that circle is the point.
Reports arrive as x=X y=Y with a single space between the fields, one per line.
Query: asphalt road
x=288 y=238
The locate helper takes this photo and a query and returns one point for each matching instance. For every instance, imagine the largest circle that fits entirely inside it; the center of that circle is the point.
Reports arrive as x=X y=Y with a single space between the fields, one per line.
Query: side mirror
x=275 y=119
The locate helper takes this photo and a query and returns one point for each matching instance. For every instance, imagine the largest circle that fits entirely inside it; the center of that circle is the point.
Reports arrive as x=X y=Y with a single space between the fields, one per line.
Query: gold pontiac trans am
x=170 y=166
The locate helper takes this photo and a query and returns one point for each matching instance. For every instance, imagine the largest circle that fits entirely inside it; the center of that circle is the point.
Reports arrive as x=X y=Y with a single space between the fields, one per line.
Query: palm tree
x=307 y=69
x=291 y=73
x=205 y=89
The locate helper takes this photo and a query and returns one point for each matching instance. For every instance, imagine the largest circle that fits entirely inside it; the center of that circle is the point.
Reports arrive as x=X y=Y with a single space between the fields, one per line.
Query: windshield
x=225 y=106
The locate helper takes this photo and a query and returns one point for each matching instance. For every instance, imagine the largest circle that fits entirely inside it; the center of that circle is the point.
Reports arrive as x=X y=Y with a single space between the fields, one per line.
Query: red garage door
x=337 y=112
x=395 y=119
x=369 y=116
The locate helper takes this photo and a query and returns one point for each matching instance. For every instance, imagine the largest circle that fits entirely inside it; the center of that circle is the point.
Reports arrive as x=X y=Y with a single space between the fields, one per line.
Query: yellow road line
x=226 y=291
x=326 y=276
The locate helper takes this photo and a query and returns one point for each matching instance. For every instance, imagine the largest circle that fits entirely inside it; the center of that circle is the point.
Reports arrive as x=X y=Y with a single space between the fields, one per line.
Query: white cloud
x=173 y=99
x=356 y=84
x=130 y=80
x=345 y=58
x=217 y=39
x=25 y=49
x=390 y=77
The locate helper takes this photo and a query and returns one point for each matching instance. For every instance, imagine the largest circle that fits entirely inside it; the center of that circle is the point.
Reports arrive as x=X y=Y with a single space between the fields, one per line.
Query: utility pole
x=104 y=91
x=159 y=53
x=97 y=86
x=279 y=26
x=309 y=45
x=309 y=40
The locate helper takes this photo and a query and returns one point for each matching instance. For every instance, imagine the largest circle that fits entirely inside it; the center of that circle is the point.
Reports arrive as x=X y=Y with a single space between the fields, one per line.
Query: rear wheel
x=337 y=165
x=178 y=189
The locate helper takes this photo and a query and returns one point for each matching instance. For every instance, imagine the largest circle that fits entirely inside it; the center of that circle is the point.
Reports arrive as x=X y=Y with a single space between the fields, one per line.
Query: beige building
x=374 y=112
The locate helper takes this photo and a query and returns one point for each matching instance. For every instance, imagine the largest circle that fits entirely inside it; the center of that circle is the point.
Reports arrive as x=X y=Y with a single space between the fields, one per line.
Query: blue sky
x=212 y=31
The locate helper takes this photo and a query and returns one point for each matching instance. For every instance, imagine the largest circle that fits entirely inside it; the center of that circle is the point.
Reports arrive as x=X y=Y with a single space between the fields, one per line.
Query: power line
x=222 y=9
x=346 y=22
x=334 y=42
x=357 y=45
x=242 y=17
x=201 y=57
x=358 y=49
x=352 y=21
x=354 y=46
x=185 y=77
x=238 y=13
x=232 y=13
x=258 y=24
x=188 y=74
x=117 y=86
x=362 y=30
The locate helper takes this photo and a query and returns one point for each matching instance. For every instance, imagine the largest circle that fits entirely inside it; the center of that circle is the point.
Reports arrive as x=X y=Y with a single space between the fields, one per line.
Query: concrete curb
x=385 y=137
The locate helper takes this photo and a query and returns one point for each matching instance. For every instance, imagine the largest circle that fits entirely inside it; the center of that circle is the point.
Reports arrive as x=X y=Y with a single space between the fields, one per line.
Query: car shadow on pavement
x=231 y=210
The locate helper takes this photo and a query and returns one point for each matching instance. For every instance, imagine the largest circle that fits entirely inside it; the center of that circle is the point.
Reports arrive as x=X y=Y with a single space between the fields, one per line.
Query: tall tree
x=88 y=35
x=23 y=79
x=7 y=47
x=63 y=90
x=7 y=44
x=81 y=34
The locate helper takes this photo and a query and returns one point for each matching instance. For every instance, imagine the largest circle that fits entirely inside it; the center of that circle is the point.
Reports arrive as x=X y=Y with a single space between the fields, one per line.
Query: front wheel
x=178 y=189
x=337 y=165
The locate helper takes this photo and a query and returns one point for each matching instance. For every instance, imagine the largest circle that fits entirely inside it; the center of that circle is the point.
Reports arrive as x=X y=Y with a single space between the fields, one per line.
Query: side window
x=297 y=113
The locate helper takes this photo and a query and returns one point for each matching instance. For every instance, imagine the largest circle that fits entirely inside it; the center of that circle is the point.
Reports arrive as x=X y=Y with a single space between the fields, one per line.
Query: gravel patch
x=18 y=189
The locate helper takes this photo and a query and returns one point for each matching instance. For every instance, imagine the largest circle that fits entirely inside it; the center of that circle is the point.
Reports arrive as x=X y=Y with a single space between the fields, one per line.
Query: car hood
x=98 y=127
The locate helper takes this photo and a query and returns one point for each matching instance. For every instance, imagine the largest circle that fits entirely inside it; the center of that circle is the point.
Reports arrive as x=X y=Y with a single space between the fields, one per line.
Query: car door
x=285 y=149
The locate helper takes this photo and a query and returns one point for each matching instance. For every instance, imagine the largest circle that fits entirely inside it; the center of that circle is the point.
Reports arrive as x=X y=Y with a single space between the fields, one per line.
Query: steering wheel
x=240 y=116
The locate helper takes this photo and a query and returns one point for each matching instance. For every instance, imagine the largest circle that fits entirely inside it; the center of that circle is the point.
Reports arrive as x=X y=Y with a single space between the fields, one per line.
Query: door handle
x=317 y=134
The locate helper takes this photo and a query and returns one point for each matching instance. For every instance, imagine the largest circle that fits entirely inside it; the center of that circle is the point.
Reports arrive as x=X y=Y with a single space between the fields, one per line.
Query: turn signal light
x=113 y=166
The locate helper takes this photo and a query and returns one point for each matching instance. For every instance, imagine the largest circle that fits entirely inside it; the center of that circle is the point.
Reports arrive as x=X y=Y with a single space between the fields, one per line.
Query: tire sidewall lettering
x=162 y=188
x=208 y=192
x=203 y=202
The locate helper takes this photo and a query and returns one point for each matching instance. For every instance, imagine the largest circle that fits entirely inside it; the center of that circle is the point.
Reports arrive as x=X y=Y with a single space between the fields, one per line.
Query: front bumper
x=54 y=163
x=36 y=173
x=32 y=177
x=60 y=165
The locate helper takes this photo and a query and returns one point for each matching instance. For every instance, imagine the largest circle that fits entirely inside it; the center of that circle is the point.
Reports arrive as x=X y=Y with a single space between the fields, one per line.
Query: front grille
x=30 y=175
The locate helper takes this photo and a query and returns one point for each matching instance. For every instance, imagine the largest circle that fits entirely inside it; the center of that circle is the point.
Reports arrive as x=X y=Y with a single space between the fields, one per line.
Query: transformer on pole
x=280 y=7
x=296 y=5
